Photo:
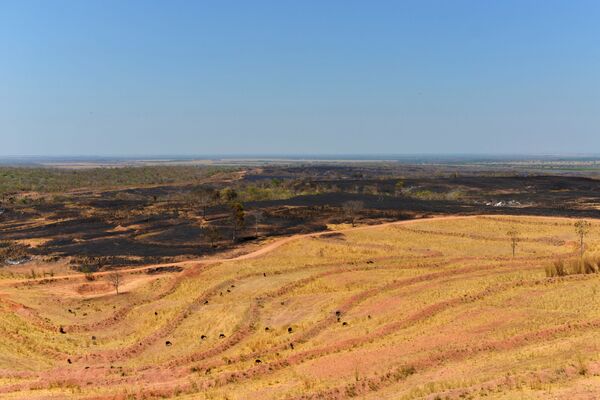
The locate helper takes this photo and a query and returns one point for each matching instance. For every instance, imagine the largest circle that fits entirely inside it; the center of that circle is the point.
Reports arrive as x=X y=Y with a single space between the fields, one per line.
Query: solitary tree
x=351 y=209
x=237 y=218
x=258 y=218
x=213 y=234
x=513 y=236
x=203 y=197
x=115 y=278
x=582 y=227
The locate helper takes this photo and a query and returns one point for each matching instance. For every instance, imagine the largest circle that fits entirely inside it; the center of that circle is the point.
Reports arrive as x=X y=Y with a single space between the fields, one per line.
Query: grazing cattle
x=369 y=316
x=221 y=336
x=228 y=291
x=292 y=346
x=205 y=301
x=257 y=361
x=266 y=328
x=203 y=337
x=290 y=329
x=232 y=286
x=155 y=312
x=168 y=343
x=69 y=361
x=93 y=337
x=338 y=313
x=62 y=330
x=344 y=324
x=264 y=274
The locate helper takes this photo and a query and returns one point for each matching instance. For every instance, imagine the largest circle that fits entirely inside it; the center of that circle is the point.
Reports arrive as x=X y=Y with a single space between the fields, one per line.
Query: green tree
x=237 y=219
x=582 y=228
x=228 y=195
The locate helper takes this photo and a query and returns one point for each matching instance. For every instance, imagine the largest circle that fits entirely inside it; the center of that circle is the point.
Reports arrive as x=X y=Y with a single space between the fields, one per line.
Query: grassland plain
x=429 y=309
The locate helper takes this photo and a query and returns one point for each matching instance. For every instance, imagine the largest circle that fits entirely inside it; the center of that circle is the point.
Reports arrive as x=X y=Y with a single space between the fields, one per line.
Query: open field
x=433 y=308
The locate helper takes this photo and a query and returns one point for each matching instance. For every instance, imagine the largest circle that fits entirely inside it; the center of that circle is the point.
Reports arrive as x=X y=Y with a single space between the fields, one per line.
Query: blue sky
x=297 y=77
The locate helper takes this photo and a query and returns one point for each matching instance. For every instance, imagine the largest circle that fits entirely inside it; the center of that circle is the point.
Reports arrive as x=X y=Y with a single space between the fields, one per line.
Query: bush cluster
x=589 y=264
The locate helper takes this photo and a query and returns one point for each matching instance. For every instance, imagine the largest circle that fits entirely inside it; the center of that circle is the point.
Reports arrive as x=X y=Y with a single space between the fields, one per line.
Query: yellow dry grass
x=427 y=309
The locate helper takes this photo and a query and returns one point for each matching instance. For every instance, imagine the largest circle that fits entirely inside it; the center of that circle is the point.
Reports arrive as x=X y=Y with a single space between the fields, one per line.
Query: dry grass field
x=425 y=309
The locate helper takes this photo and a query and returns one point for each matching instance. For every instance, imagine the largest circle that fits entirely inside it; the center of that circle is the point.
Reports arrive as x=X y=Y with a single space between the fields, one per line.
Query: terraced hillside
x=431 y=309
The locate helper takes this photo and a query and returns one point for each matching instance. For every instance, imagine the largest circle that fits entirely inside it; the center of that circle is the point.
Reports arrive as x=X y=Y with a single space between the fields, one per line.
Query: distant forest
x=57 y=180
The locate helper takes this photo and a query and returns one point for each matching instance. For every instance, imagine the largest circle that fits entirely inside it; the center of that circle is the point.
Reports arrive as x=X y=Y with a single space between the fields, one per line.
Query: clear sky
x=297 y=77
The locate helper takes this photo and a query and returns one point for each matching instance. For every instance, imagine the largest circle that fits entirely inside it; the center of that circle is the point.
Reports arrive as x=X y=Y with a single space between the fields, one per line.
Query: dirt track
x=264 y=249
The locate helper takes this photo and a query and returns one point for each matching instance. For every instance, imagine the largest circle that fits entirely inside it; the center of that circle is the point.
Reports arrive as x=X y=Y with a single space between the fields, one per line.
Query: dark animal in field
x=203 y=337
x=266 y=328
x=290 y=329
x=338 y=313
x=69 y=361
x=62 y=330
x=205 y=301
x=228 y=291
x=257 y=361
x=221 y=336
x=155 y=312
x=292 y=346
x=93 y=337
x=264 y=274
x=370 y=262
x=369 y=316
x=344 y=324
x=168 y=343
x=232 y=286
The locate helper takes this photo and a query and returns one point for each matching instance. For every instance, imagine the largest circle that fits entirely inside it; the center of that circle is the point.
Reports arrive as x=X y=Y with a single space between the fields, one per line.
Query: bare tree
x=513 y=236
x=259 y=216
x=237 y=218
x=351 y=209
x=582 y=227
x=213 y=234
x=115 y=279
